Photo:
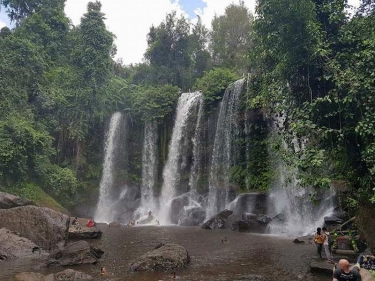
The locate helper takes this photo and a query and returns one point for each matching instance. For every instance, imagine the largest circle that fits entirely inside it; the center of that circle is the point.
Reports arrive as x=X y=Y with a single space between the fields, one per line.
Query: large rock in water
x=76 y=253
x=12 y=246
x=43 y=226
x=8 y=201
x=220 y=221
x=166 y=257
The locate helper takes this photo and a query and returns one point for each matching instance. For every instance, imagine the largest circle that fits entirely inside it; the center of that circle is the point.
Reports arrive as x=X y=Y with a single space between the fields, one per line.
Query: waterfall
x=303 y=208
x=149 y=166
x=197 y=142
x=227 y=129
x=103 y=211
x=171 y=173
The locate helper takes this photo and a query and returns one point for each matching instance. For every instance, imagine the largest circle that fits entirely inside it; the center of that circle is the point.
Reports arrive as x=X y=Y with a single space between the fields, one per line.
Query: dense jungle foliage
x=311 y=65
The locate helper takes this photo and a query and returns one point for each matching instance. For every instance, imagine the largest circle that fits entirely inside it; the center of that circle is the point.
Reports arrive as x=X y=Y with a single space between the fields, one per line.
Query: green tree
x=20 y=9
x=200 y=55
x=168 y=52
x=231 y=37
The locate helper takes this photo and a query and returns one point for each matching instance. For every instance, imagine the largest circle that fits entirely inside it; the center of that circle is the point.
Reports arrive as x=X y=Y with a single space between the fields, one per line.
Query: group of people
x=90 y=223
x=342 y=270
x=323 y=239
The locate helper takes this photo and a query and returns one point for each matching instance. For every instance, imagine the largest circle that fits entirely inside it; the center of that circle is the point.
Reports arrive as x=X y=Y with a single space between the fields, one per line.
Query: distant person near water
x=75 y=222
x=319 y=238
x=90 y=223
x=344 y=273
x=327 y=245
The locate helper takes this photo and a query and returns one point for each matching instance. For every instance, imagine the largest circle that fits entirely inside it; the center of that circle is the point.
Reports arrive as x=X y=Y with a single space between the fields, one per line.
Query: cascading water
x=149 y=167
x=197 y=141
x=103 y=211
x=172 y=169
x=302 y=208
x=227 y=129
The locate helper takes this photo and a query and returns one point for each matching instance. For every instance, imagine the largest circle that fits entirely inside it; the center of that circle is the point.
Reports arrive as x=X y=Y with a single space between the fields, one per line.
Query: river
x=244 y=256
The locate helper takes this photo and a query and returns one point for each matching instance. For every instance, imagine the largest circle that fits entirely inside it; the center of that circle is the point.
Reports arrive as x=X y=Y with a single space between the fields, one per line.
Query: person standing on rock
x=319 y=238
x=344 y=273
x=326 y=245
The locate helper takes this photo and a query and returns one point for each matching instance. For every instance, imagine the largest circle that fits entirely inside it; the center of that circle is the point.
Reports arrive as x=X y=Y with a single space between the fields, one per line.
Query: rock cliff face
x=164 y=258
x=365 y=221
x=43 y=226
x=8 y=201
x=13 y=246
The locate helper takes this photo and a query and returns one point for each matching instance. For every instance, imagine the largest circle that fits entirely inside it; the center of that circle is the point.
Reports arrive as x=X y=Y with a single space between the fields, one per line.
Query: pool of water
x=245 y=256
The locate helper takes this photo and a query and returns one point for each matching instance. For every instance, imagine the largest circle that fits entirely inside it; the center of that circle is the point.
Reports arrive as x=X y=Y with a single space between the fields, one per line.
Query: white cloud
x=2 y=24
x=130 y=20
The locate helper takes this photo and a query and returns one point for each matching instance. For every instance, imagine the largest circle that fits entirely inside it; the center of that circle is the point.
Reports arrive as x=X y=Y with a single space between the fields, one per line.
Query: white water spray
x=103 y=211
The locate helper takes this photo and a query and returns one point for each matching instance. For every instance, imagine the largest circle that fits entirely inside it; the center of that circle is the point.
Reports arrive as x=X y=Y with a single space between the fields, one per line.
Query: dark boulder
x=43 y=226
x=255 y=203
x=251 y=223
x=76 y=253
x=12 y=246
x=167 y=257
x=220 y=221
x=193 y=216
x=8 y=201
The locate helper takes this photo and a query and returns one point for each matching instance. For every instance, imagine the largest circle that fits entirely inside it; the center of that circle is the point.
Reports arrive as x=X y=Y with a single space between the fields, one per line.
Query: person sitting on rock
x=74 y=222
x=367 y=262
x=344 y=273
x=90 y=223
x=103 y=271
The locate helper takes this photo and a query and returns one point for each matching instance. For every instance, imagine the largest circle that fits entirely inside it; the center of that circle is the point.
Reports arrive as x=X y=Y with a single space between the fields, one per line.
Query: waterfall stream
x=227 y=129
x=149 y=166
x=197 y=141
x=175 y=161
x=103 y=211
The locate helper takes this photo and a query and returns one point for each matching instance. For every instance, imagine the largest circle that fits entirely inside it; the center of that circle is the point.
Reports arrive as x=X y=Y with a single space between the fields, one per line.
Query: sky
x=130 y=20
